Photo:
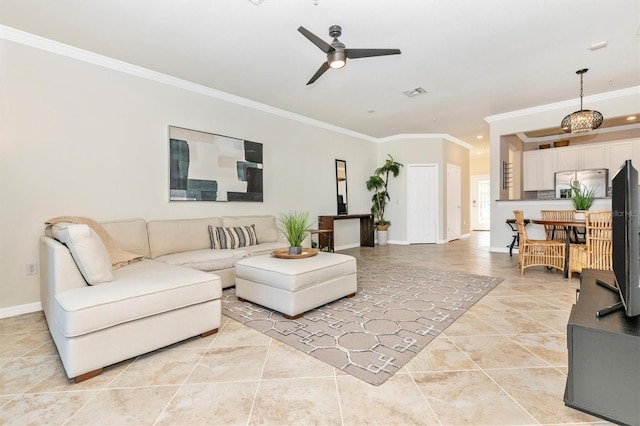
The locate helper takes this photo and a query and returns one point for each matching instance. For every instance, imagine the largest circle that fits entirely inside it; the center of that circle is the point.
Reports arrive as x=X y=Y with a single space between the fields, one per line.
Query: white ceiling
x=475 y=58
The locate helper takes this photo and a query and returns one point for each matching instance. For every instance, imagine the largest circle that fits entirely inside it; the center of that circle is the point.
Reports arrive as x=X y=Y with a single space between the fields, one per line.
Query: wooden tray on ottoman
x=284 y=253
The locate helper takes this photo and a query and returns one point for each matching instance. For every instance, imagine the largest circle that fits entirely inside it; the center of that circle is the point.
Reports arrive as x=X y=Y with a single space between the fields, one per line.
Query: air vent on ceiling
x=415 y=92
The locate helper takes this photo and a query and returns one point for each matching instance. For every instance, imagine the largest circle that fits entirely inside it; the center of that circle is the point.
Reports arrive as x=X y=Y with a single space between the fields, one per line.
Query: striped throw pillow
x=232 y=238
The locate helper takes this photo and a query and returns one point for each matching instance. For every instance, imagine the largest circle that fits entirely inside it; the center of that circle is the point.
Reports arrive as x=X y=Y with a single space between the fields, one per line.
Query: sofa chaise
x=170 y=294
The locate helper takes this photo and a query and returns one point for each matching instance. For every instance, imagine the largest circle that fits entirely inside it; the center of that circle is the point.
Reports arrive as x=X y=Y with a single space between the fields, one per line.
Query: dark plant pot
x=295 y=250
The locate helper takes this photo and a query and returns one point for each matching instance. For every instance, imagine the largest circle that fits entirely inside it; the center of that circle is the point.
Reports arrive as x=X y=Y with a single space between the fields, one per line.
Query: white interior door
x=480 y=202
x=422 y=203
x=454 y=202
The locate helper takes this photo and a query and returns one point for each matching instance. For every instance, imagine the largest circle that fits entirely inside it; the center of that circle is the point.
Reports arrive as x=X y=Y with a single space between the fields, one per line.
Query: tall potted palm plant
x=378 y=183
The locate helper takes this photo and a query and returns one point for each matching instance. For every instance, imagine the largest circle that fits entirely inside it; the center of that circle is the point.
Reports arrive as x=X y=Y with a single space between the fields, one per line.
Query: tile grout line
x=426 y=400
x=255 y=394
x=98 y=391
x=335 y=381
x=180 y=387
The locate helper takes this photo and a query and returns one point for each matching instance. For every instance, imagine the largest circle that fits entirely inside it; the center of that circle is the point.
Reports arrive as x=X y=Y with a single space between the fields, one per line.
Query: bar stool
x=516 y=237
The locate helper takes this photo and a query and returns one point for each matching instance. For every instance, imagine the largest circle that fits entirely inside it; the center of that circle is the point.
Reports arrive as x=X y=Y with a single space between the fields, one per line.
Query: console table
x=366 y=229
x=604 y=355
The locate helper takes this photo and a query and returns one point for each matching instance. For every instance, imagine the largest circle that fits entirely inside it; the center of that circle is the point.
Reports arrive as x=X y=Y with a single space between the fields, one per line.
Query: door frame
x=474 y=195
x=450 y=195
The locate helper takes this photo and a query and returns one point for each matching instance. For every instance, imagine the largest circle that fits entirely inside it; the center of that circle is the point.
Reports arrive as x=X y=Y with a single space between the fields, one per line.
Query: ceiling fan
x=337 y=53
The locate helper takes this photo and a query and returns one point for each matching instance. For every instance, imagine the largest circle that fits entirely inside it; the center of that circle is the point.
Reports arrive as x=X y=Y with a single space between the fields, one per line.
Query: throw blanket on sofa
x=119 y=256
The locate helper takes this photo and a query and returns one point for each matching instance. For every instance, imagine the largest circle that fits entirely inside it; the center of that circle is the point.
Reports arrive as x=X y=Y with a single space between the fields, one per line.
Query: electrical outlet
x=31 y=268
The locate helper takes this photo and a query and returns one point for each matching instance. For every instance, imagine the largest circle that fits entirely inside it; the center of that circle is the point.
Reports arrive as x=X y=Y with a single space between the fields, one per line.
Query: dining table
x=570 y=228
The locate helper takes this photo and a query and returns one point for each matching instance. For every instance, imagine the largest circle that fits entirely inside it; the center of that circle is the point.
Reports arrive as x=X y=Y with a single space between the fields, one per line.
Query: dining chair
x=597 y=251
x=553 y=232
x=548 y=253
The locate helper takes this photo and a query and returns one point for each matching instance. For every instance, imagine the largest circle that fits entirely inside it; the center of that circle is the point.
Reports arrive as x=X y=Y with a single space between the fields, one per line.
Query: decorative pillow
x=232 y=238
x=87 y=251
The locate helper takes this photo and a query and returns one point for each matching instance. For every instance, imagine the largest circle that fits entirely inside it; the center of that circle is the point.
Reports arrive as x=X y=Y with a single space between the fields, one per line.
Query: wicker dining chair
x=553 y=232
x=548 y=253
x=597 y=251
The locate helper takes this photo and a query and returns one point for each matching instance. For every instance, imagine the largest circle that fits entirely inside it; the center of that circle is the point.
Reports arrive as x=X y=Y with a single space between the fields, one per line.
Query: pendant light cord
x=581 y=74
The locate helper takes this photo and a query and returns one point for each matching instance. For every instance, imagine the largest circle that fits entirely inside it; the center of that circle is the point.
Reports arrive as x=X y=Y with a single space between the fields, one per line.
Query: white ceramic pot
x=382 y=237
x=579 y=216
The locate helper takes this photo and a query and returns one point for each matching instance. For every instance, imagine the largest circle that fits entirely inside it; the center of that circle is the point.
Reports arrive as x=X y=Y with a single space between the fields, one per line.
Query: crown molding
x=32 y=40
x=551 y=138
x=564 y=104
x=28 y=39
x=457 y=141
x=445 y=136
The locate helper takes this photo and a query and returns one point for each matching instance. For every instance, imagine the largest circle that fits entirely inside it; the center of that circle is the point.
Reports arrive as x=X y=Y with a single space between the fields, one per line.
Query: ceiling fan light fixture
x=337 y=53
x=584 y=120
x=337 y=63
x=337 y=58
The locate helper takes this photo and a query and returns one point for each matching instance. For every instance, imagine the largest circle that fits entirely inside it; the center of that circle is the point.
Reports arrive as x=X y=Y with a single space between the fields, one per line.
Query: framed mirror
x=341 y=186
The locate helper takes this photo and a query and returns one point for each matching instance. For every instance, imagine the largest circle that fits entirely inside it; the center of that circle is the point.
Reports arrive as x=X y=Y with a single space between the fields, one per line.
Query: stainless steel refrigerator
x=598 y=179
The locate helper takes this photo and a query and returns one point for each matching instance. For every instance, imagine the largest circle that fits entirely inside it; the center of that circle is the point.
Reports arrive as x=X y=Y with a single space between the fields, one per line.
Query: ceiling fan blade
x=323 y=68
x=323 y=45
x=366 y=53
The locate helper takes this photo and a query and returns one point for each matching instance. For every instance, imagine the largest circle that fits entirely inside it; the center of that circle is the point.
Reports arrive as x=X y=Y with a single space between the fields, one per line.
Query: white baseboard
x=13 y=311
x=503 y=250
x=397 y=242
x=448 y=240
x=346 y=246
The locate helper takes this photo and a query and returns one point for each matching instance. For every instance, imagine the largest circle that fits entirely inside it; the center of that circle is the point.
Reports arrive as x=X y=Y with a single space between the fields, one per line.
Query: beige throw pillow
x=87 y=251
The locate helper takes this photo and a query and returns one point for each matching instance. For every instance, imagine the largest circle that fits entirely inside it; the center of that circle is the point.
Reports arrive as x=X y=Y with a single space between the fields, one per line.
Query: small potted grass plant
x=296 y=227
x=582 y=198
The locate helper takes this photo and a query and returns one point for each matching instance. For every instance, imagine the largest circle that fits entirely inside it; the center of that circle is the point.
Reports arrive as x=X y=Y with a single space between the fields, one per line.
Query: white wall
x=80 y=139
x=427 y=149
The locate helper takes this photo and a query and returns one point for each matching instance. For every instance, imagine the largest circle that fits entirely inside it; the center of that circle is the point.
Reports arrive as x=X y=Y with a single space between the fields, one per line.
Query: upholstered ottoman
x=294 y=286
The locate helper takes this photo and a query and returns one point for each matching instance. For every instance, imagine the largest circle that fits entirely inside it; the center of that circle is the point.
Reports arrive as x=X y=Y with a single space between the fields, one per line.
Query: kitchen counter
x=545 y=199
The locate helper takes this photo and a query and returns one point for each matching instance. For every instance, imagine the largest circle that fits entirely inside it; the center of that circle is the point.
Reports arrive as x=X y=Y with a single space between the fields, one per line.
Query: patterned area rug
x=396 y=312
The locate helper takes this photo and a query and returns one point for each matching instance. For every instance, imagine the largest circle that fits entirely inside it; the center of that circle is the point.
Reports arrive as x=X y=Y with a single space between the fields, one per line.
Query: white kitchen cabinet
x=539 y=167
x=619 y=153
x=567 y=159
x=594 y=156
x=547 y=167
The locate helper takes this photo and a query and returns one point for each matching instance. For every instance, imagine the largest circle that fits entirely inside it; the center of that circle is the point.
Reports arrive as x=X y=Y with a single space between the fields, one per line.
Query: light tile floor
x=502 y=362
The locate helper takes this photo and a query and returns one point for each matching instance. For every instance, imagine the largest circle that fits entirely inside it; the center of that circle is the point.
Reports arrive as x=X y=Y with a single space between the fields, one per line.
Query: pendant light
x=584 y=120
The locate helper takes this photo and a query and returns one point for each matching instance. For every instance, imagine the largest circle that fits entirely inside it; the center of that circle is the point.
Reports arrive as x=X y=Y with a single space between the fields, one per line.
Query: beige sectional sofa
x=186 y=242
x=170 y=295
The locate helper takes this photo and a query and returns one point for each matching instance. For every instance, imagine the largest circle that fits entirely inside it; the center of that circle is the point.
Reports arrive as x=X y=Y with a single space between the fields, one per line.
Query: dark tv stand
x=612 y=308
x=604 y=355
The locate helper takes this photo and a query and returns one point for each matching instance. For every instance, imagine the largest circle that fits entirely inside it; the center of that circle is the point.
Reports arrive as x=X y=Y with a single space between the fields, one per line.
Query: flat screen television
x=626 y=239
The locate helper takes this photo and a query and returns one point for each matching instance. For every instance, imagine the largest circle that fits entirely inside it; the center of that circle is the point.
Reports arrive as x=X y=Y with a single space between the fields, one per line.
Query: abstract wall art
x=209 y=167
